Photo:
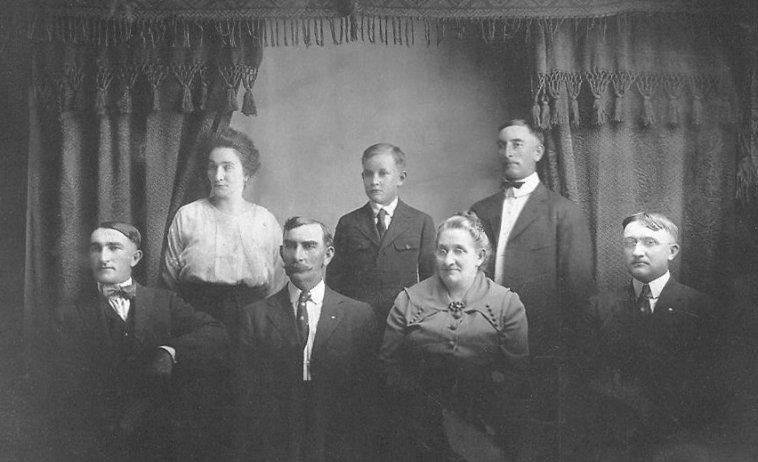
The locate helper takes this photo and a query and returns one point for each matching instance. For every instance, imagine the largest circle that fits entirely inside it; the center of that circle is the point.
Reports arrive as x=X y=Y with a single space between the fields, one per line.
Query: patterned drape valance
x=293 y=22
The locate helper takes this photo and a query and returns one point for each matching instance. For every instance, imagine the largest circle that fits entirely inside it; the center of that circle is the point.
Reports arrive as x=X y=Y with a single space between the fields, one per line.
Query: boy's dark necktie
x=381 y=226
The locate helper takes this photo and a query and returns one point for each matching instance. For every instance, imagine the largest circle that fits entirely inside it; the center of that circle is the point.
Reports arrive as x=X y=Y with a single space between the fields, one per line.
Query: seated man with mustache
x=305 y=363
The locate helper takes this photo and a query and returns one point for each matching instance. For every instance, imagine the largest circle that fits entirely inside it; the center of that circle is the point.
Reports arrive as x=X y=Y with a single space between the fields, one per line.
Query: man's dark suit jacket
x=548 y=263
x=659 y=365
x=272 y=397
x=94 y=386
x=373 y=270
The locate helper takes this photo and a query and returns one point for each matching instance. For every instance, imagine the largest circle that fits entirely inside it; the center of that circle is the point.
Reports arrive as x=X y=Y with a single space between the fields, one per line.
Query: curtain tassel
x=231 y=99
x=648 y=115
x=536 y=114
x=249 y=74
x=545 y=114
x=574 y=114
x=187 y=105
x=599 y=115
x=674 y=112
x=598 y=81
x=202 y=72
x=618 y=108
x=125 y=102
x=646 y=85
x=248 y=104
x=103 y=81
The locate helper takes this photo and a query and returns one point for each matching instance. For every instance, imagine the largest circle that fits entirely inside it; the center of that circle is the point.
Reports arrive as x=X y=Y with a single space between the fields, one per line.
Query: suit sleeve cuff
x=171 y=351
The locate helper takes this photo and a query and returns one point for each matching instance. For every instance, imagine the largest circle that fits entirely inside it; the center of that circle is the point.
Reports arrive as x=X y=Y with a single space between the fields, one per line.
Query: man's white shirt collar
x=317 y=293
x=530 y=184
x=656 y=285
x=390 y=208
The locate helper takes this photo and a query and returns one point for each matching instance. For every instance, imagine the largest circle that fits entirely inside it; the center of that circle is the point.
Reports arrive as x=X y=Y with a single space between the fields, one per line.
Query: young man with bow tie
x=120 y=348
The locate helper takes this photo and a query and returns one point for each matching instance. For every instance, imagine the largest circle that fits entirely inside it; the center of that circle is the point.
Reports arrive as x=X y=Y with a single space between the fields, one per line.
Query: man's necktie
x=512 y=184
x=643 y=302
x=302 y=316
x=381 y=225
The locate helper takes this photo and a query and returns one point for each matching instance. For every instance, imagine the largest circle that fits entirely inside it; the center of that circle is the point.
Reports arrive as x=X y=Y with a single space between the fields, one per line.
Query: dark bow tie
x=512 y=184
x=114 y=290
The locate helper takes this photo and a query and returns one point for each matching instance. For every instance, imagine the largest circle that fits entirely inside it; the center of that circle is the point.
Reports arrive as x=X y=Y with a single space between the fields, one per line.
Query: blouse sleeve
x=514 y=339
x=390 y=354
x=174 y=247
x=276 y=275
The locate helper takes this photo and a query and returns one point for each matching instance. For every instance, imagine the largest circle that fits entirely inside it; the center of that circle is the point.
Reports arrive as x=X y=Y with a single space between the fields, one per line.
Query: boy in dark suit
x=385 y=245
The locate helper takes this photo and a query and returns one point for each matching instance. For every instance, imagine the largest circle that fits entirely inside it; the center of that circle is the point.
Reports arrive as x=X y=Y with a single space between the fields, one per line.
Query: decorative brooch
x=456 y=308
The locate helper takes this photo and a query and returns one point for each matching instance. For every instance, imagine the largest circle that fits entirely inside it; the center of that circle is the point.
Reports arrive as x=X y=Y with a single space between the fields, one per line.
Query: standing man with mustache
x=306 y=363
x=651 y=347
x=543 y=253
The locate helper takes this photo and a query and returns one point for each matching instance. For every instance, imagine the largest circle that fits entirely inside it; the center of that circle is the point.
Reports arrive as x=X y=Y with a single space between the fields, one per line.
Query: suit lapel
x=495 y=214
x=282 y=316
x=91 y=308
x=669 y=296
x=398 y=224
x=143 y=308
x=532 y=209
x=331 y=316
x=366 y=224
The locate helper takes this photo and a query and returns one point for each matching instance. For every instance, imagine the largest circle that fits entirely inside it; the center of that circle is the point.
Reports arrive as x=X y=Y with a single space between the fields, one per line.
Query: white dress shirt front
x=656 y=286
x=313 y=305
x=513 y=204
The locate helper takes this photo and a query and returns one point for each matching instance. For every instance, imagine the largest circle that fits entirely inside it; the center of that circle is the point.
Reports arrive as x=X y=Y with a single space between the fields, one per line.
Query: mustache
x=297 y=268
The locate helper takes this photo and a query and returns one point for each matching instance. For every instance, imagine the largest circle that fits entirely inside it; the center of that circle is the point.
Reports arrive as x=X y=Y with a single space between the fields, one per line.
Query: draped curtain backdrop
x=117 y=117
x=641 y=114
x=645 y=103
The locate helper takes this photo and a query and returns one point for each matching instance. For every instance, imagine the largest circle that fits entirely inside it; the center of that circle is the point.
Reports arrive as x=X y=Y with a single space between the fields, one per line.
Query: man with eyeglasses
x=650 y=348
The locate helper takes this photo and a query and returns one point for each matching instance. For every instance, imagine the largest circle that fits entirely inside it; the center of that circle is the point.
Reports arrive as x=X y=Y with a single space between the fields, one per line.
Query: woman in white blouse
x=222 y=252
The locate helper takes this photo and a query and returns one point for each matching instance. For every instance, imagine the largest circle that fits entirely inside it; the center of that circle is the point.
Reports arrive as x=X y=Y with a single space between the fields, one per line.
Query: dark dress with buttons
x=463 y=359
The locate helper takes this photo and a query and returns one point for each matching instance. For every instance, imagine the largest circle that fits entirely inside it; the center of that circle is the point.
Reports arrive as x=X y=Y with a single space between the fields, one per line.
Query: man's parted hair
x=296 y=222
x=382 y=148
x=127 y=229
x=523 y=123
x=654 y=221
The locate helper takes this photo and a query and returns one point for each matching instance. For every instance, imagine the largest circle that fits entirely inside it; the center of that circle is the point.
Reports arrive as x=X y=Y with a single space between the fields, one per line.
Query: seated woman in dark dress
x=455 y=349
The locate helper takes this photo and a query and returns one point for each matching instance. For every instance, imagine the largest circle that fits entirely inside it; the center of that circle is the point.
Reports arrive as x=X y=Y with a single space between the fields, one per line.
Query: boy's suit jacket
x=373 y=270
x=549 y=262
x=273 y=399
x=94 y=386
